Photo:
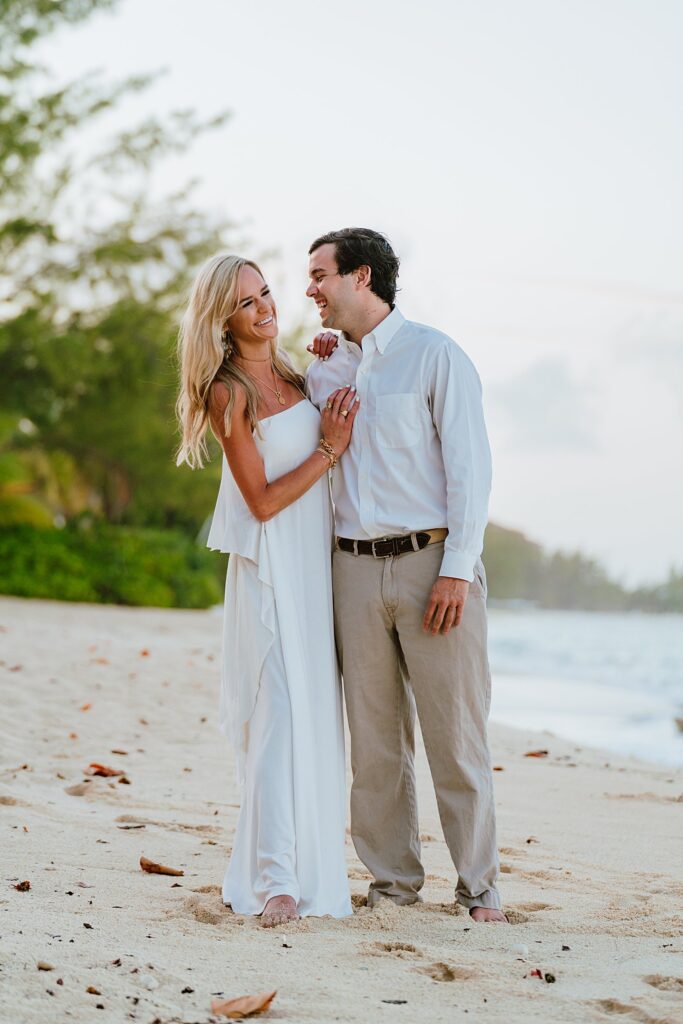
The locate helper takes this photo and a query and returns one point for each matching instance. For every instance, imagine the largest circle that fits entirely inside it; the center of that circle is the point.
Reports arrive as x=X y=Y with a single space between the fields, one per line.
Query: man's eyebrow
x=316 y=270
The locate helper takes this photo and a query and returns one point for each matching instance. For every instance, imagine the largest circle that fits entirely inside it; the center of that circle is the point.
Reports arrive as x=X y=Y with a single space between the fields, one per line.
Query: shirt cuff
x=458 y=564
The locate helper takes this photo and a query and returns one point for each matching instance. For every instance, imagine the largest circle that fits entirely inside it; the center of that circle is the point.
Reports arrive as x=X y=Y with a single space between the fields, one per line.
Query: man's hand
x=323 y=345
x=446 y=605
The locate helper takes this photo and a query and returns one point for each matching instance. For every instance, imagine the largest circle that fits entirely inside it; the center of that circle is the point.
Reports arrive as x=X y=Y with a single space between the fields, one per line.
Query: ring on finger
x=344 y=413
x=328 y=405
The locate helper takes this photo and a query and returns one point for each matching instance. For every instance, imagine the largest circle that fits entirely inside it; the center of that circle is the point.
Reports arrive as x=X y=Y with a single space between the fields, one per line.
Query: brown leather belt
x=383 y=547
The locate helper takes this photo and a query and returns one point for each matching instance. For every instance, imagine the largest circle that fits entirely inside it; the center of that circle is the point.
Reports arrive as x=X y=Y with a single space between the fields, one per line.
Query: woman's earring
x=227 y=343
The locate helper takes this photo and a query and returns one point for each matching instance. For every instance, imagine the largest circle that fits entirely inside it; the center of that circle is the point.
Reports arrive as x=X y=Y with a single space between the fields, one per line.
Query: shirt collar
x=382 y=333
x=386 y=329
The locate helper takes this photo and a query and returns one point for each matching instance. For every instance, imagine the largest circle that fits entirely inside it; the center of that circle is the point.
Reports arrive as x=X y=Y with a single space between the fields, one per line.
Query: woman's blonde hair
x=206 y=350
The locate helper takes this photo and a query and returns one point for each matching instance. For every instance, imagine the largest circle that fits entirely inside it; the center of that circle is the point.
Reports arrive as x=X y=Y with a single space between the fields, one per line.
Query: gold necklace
x=276 y=391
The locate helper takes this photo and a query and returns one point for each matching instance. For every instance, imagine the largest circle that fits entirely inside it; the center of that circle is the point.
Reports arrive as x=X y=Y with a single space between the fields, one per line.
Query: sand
x=591 y=850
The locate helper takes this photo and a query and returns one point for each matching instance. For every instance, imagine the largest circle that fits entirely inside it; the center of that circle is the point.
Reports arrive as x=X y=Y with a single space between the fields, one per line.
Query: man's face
x=334 y=295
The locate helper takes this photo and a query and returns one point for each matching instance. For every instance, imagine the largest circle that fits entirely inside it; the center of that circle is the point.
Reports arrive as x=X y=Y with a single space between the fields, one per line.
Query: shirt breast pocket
x=399 y=420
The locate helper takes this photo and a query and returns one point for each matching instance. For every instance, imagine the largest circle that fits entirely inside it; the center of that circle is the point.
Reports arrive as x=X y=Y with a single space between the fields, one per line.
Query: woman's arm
x=265 y=499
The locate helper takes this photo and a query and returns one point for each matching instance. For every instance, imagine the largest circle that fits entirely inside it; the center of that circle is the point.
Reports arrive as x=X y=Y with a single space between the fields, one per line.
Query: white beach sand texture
x=591 y=849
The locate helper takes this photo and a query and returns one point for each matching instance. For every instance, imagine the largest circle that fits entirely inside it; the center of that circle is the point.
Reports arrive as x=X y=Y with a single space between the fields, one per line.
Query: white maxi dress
x=280 y=698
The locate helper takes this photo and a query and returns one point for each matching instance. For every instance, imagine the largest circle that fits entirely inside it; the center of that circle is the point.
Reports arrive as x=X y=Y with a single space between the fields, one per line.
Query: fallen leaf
x=158 y=869
x=124 y=780
x=244 y=1006
x=536 y=753
x=184 y=991
x=101 y=769
x=123 y=753
x=86 y=706
x=498 y=768
x=535 y=973
x=43 y=965
x=91 y=990
x=73 y=735
x=88 y=926
x=143 y=721
x=117 y=962
x=23 y=886
x=144 y=653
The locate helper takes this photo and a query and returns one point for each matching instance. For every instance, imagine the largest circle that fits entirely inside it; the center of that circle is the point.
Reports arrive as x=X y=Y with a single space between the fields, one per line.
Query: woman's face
x=255 y=319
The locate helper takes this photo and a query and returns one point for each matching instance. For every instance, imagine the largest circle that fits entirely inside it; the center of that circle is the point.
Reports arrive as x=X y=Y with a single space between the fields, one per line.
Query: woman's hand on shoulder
x=323 y=345
x=337 y=418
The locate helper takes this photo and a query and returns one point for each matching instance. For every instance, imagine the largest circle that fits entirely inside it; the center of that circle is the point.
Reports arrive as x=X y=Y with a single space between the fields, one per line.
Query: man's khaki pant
x=391 y=666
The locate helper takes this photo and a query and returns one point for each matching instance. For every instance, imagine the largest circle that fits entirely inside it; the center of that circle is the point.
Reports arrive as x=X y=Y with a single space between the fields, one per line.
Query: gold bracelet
x=326 y=449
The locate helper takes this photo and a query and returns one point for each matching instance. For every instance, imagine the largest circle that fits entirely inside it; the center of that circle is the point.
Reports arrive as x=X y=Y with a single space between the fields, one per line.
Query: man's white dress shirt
x=419 y=456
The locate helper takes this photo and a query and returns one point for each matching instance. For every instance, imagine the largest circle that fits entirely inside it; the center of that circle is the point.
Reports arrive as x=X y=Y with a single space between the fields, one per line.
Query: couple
x=393 y=409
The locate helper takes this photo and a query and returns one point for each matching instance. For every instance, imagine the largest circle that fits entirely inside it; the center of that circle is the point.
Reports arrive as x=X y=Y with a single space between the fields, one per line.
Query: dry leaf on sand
x=157 y=869
x=101 y=769
x=536 y=753
x=244 y=1006
x=23 y=886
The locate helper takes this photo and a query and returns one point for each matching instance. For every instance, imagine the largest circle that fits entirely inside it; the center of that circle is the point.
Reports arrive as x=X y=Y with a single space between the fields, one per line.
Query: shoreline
x=589 y=845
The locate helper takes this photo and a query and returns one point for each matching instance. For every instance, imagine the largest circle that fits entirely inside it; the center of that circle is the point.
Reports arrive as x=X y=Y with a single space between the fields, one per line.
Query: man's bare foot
x=279 y=910
x=488 y=914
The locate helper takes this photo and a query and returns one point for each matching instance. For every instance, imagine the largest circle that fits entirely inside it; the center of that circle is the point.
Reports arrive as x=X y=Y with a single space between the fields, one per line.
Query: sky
x=525 y=158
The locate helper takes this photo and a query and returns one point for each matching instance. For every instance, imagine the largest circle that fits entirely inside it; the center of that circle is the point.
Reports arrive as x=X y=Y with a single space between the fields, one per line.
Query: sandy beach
x=590 y=847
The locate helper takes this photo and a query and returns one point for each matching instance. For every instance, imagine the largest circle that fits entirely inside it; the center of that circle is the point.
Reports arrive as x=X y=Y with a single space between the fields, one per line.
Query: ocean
x=609 y=680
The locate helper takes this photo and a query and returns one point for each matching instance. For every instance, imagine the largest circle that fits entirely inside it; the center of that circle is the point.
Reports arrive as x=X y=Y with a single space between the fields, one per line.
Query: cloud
x=545 y=407
x=654 y=343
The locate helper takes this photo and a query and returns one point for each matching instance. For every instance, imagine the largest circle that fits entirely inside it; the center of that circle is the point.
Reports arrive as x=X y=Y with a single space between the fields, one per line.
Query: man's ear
x=363 y=276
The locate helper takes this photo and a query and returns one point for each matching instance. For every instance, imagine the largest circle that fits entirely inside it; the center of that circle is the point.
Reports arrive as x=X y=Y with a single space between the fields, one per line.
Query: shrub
x=110 y=565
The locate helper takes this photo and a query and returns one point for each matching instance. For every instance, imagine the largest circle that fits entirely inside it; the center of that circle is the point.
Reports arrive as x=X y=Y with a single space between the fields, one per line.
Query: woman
x=280 y=693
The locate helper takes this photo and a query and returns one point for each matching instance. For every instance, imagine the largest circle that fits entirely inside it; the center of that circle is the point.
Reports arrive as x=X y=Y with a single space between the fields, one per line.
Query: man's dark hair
x=363 y=247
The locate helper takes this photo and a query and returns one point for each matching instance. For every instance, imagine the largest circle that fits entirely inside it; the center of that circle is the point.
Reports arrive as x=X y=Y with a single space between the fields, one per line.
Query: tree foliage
x=92 y=277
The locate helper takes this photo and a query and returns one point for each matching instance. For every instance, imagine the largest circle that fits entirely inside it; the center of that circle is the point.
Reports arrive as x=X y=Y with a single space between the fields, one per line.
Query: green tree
x=92 y=277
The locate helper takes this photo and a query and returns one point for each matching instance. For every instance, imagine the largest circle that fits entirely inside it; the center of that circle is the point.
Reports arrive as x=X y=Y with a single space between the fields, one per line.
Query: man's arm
x=458 y=416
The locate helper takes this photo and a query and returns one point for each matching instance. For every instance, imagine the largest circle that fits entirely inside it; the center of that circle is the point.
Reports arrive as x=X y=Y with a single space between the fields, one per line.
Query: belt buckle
x=392 y=544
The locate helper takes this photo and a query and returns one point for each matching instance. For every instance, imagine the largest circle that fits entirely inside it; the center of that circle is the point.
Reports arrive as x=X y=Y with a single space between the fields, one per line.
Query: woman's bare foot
x=488 y=914
x=279 y=910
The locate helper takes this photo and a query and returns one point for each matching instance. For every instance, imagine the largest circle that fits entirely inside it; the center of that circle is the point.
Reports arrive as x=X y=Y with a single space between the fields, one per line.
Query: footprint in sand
x=402 y=950
x=171 y=826
x=452 y=909
x=649 y=797
x=510 y=851
x=8 y=801
x=520 y=913
x=201 y=912
x=446 y=972
x=665 y=983
x=630 y=1012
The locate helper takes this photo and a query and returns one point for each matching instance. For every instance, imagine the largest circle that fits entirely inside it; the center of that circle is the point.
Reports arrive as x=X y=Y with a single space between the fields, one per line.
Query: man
x=411 y=496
